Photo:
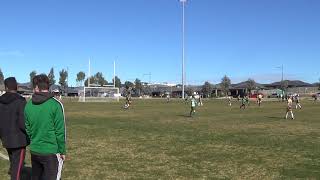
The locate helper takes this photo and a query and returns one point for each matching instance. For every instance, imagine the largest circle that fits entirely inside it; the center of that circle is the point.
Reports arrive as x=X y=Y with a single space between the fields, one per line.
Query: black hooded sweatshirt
x=12 y=126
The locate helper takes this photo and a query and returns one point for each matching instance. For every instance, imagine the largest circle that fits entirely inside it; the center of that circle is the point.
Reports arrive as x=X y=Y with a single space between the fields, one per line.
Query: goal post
x=99 y=94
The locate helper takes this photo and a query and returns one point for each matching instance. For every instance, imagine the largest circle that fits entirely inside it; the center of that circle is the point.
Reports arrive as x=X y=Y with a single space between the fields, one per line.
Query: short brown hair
x=42 y=81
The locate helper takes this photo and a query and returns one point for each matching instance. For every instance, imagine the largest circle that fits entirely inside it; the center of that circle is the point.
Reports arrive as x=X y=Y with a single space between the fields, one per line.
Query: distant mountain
x=28 y=84
x=244 y=84
x=293 y=83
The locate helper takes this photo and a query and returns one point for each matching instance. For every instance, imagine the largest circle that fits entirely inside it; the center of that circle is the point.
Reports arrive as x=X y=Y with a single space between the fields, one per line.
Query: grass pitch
x=157 y=140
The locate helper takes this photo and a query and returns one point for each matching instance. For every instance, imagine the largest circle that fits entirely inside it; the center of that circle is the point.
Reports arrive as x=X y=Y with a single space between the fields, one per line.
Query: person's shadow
x=26 y=173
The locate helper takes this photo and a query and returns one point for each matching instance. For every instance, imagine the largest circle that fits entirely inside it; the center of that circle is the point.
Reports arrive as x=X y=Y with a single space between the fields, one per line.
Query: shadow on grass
x=186 y=116
x=273 y=117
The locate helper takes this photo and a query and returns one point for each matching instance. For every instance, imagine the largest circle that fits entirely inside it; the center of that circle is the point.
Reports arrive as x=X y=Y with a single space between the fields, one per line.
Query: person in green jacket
x=45 y=126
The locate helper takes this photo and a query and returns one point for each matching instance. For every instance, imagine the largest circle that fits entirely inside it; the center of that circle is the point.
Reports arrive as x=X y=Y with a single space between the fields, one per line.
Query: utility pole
x=183 y=48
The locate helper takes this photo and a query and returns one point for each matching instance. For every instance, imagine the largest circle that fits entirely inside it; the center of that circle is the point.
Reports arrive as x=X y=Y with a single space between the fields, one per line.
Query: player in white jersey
x=260 y=99
x=297 y=100
x=229 y=101
x=289 y=108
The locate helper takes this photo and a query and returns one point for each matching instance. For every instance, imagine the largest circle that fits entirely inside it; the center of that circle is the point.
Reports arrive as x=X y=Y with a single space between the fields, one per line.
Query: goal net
x=99 y=94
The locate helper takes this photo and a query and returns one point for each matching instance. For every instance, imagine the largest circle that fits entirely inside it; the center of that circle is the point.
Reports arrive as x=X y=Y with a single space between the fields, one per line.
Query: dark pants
x=45 y=167
x=16 y=157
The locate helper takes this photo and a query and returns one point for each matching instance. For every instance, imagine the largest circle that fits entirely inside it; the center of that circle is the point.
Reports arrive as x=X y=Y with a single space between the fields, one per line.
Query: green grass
x=156 y=140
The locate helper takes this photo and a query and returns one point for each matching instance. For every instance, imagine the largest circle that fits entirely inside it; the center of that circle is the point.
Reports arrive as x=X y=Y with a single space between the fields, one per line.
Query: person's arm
x=60 y=130
x=21 y=118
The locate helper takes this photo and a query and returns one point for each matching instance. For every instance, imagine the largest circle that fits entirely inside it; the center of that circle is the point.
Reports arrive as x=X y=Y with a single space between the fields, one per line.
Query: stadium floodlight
x=183 y=44
x=114 y=73
x=281 y=67
x=89 y=72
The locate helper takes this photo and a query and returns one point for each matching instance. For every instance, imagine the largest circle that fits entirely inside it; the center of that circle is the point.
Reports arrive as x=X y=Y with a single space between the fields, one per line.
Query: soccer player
x=247 y=100
x=200 y=100
x=45 y=125
x=168 y=98
x=289 y=108
x=315 y=97
x=193 y=105
x=297 y=100
x=57 y=94
x=128 y=100
x=12 y=129
x=229 y=100
x=259 y=99
x=243 y=103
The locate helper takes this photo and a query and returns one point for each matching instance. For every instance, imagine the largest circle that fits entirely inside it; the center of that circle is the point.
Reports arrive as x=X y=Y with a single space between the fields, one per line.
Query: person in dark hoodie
x=12 y=130
x=45 y=125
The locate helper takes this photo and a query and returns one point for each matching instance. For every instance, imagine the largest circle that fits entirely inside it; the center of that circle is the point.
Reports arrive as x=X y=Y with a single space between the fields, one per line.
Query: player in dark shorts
x=243 y=103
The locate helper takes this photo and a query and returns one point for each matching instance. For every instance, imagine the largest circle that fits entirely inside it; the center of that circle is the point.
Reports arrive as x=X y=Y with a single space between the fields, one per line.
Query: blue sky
x=240 y=38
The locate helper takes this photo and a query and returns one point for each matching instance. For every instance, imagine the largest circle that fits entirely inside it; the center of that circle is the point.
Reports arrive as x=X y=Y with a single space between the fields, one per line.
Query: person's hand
x=63 y=157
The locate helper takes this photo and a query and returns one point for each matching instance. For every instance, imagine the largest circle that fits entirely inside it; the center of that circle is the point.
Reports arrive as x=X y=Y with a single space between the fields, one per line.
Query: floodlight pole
x=149 y=77
x=183 y=44
x=282 y=78
x=281 y=67
x=89 y=72
x=282 y=73
x=114 y=73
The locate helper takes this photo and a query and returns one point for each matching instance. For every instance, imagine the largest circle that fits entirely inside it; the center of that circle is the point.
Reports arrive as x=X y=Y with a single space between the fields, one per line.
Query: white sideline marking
x=4 y=156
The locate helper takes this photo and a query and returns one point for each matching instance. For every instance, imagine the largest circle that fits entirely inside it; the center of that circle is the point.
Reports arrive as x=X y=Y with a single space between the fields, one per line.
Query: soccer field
x=157 y=140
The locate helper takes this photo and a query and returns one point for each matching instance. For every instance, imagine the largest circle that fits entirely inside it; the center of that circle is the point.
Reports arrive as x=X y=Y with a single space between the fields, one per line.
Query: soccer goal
x=99 y=94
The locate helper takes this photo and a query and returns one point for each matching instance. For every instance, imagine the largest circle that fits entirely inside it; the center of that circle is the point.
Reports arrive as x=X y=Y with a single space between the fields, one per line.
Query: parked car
x=273 y=95
x=256 y=95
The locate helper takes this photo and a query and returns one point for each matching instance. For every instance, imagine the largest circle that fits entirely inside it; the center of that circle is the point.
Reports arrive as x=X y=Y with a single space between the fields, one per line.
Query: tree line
x=137 y=86
x=97 y=79
x=225 y=85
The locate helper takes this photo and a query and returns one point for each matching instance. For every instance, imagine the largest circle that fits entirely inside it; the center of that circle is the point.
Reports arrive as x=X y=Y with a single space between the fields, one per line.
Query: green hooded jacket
x=45 y=124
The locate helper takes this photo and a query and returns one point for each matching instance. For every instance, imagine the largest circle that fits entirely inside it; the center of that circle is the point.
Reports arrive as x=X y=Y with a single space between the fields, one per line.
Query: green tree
x=99 y=79
x=92 y=81
x=207 y=89
x=1 y=77
x=189 y=90
x=51 y=77
x=251 y=85
x=80 y=77
x=138 y=86
x=63 y=78
x=118 y=82
x=32 y=75
x=225 y=84
x=128 y=84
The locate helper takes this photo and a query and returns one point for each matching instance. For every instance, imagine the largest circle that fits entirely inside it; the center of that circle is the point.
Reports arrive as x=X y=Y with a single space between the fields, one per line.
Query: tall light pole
x=89 y=73
x=281 y=67
x=149 y=74
x=114 y=73
x=183 y=44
